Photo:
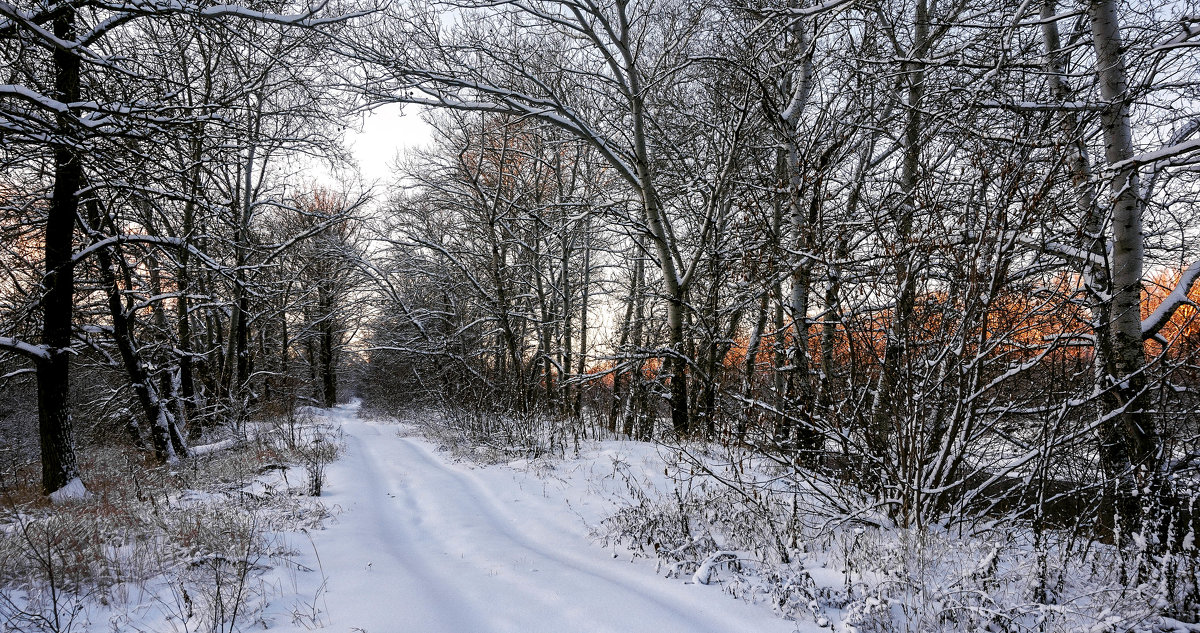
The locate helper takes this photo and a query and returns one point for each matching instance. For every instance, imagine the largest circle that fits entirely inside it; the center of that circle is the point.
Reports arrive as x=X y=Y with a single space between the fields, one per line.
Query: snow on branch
x=172 y=242
x=1154 y=323
x=39 y=352
x=305 y=20
x=807 y=12
x=1177 y=139
x=446 y=90
x=1188 y=38
x=1035 y=106
x=12 y=18
x=1171 y=151
x=1065 y=251
x=31 y=96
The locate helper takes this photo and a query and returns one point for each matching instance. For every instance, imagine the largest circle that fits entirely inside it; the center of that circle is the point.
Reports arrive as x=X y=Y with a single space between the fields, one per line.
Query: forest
x=898 y=267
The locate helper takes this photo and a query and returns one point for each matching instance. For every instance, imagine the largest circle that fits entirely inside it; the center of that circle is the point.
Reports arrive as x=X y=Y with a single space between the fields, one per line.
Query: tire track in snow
x=397 y=583
x=457 y=497
x=427 y=547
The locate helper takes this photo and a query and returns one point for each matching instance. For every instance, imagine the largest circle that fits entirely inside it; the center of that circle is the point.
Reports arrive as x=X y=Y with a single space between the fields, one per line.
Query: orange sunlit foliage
x=1182 y=331
x=1013 y=327
x=604 y=369
x=322 y=202
x=651 y=367
x=735 y=358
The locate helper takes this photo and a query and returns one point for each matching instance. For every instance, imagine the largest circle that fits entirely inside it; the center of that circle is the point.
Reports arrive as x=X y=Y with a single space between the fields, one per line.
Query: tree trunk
x=1129 y=444
x=584 y=289
x=800 y=400
x=328 y=346
x=568 y=352
x=59 y=466
x=168 y=386
x=617 y=408
x=186 y=407
x=888 y=403
x=750 y=363
x=633 y=417
x=675 y=363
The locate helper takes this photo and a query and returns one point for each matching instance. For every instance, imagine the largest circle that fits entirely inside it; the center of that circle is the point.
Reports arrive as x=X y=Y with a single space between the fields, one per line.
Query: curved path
x=423 y=545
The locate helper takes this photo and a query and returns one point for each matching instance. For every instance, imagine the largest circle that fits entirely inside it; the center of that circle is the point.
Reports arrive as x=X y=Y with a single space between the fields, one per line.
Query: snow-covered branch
x=1177 y=298
x=38 y=352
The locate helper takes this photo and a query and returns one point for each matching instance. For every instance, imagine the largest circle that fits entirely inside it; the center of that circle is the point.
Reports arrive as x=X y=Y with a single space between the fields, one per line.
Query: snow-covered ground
x=614 y=536
x=427 y=544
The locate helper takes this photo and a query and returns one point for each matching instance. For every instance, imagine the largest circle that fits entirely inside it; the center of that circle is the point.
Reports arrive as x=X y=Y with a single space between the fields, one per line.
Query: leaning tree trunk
x=168 y=387
x=152 y=405
x=675 y=362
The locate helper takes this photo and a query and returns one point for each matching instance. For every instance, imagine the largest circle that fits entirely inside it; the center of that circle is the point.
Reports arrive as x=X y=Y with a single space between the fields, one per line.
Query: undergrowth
x=494 y=437
x=764 y=541
x=191 y=538
x=772 y=535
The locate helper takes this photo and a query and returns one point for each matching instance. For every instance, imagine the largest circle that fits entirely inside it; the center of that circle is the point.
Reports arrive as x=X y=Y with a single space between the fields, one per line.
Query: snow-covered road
x=427 y=545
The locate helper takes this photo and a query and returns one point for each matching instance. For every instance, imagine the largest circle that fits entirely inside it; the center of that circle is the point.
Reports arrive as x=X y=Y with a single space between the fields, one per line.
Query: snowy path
x=424 y=545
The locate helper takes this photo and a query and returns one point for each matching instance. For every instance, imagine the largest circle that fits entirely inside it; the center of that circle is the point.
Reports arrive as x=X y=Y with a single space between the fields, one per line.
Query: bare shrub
x=193 y=535
x=320 y=446
x=756 y=534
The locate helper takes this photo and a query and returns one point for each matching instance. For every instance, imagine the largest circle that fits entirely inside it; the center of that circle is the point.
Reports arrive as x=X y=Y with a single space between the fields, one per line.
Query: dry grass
x=204 y=524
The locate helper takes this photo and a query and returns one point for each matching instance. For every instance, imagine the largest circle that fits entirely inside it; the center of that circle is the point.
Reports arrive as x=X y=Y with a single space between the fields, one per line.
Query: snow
x=704 y=573
x=29 y=349
x=426 y=544
x=408 y=538
x=206 y=449
x=70 y=492
x=1177 y=297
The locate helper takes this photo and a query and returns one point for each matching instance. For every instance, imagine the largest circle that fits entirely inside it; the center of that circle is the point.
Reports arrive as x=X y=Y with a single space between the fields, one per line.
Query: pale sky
x=386 y=134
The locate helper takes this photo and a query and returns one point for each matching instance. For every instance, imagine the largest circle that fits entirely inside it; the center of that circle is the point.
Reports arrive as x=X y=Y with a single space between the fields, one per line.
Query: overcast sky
x=387 y=133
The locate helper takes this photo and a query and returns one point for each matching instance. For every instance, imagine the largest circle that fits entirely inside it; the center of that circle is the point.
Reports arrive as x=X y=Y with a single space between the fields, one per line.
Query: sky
x=387 y=132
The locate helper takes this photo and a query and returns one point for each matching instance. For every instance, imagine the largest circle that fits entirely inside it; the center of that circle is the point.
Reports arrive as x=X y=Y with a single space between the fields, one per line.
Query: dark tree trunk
x=186 y=407
x=59 y=466
x=328 y=344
